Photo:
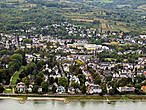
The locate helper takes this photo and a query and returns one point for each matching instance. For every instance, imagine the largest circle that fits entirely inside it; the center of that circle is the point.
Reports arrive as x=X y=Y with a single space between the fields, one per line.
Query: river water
x=60 y=105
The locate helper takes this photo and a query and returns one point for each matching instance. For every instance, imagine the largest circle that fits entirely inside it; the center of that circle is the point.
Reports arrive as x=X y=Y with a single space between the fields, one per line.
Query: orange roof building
x=143 y=88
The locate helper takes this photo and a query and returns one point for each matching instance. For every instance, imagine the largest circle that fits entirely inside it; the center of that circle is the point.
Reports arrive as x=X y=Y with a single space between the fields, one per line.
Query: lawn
x=16 y=76
x=8 y=91
x=79 y=62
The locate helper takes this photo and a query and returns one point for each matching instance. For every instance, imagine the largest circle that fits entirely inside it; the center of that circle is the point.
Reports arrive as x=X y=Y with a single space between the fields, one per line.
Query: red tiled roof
x=143 y=87
x=84 y=69
x=70 y=56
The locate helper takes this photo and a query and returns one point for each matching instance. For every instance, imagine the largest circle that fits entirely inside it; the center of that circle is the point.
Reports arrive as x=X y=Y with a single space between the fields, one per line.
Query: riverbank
x=108 y=98
x=132 y=98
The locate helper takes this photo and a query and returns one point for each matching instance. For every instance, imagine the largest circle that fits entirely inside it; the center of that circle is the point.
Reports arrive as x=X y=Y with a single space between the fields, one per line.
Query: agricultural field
x=106 y=15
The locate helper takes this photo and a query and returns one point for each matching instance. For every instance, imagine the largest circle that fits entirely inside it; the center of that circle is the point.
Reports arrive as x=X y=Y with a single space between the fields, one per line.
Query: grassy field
x=8 y=90
x=16 y=76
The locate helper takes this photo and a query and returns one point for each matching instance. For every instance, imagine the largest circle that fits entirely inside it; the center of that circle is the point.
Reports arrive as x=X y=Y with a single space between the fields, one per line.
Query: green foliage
x=80 y=63
x=4 y=76
x=35 y=88
x=103 y=87
x=15 y=76
x=123 y=82
x=82 y=79
x=15 y=62
x=63 y=82
x=74 y=84
x=40 y=64
x=27 y=41
x=54 y=88
x=112 y=91
x=117 y=16
x=30 y=68
x=1 y=89
x=97 y=78
x=75 y=69
x=108 y=77
x=8 y=90
x=83 y=89
x=51 y=80
x=26 y=80
x=39 y=78
x=44 y=87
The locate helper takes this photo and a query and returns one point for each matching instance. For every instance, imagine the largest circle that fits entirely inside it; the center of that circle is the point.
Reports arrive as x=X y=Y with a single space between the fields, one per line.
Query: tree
x=26 y=81
x=1 y=89
x=83 y=89
x=74 y=84
x=40 y=64
x=4 y=76
x=54 y=88
x=137 y=85
x=82 y=78
x=6 y=59
x=57 y=44
x=15 y=62
x=49 y=44
x=51 y=80
x=103 y=87
x=129 y=85
x=30 y=68
x=35 y=88
x=20 y=51
x=63 y=82
x=75 y=69
x=108 y=77
x=123 y=82
x=97 y=79
x=112 y=91
x=38 y=80
x=44 y=86
x=27 y=41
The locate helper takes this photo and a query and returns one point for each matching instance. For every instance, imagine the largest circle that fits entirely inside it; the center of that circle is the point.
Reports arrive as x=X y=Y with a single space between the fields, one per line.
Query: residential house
x=126 y=89
x=40 y=90
x=145 y=73
x=30 y=88
x=75 y=79
x=20 y=87
x=93 y=88
x=60 y=89
x=143 y=88
x=71 y=90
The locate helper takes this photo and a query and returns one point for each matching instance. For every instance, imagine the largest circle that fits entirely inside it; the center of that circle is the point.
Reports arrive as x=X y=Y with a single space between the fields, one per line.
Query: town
x=70 y=59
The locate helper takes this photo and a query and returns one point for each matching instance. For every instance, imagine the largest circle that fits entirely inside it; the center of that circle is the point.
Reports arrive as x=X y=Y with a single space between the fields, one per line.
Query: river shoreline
x=73 y=98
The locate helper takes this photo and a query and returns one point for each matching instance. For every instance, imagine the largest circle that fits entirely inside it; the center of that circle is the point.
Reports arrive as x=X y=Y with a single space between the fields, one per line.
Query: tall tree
x=63 y=82
x=15 y=62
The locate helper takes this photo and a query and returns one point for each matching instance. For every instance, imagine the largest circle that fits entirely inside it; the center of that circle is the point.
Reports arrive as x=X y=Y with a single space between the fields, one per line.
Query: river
x=8 y=104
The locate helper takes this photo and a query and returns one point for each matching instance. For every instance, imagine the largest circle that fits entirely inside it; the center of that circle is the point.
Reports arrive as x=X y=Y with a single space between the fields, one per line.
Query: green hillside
x=104 y=15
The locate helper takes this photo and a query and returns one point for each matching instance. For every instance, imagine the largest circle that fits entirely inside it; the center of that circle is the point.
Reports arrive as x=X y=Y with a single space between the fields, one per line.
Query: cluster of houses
x=91 y=89
x=79 y=51
x=12 y=40
x=127 y=71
